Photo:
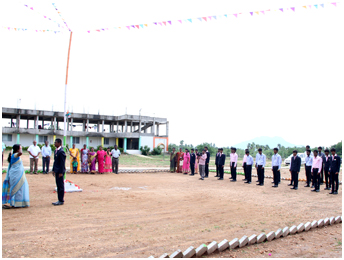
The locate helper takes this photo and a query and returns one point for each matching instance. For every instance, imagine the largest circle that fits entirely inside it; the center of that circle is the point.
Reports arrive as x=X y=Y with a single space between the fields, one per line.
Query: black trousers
x=244 y=166
x=316 y=178
x=321 y=178
x=217 y=170
x=248 y=173
x=295 y=178
x=60 y=187
x=334 y=180
x=221 y=171
x=308 y=174
x=277 y=175
x=192 y=167
x=261 y=174
x=233 y=171
x=46 y=162
x=206 y=169
x=327 y=178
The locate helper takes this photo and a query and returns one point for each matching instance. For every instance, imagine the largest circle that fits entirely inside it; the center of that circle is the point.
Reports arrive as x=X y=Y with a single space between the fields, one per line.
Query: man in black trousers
x=327 y=164
x=334 y=170
x=192 y=162
x=221 y=163
x=59 y=169
x=244 y=165
x=207 y=162
x=322 y=156
x=295 y=165
x=217 y=163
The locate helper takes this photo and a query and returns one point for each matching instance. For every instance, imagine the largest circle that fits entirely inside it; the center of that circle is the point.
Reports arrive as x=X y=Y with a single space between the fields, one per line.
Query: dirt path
x=161 y=212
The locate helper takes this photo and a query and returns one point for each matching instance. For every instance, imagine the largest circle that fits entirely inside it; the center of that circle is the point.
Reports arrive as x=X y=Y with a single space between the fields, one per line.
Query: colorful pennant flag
x=61 y=16
x=58 y=24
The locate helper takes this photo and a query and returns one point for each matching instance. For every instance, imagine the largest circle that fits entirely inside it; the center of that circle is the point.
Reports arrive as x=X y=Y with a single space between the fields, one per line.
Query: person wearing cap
x=233 y=165
x=221 y=163
x=322 y=156
x=326 y=165
x=216 y=163
x=260 y=164
x=334 y=171
x=244 y=165
x=316 y=168
x=295 y=165
x=276 y=167
x=308 y=168
x=249 y=163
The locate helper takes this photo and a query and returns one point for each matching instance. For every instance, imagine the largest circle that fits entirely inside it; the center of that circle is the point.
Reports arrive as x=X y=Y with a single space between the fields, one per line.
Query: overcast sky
x=222 y=81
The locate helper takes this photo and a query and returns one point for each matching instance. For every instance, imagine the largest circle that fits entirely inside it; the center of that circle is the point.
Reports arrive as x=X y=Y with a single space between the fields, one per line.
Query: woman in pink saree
x=108 y=162
x=186 y=162
x=100 y=158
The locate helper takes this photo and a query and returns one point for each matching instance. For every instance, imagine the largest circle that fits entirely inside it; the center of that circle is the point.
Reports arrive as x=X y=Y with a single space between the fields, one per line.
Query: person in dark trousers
x=276 y=167
x=192 y=162
x=316 y=168
x=308 y=167
x=216 y=163
x=327 y=164
x=59 y=169
x=207 y=162
x=249 y=164
x=334 y=171
x=244 y=165
x=233 y=163
x=295 y=165
x=221 y=164
x=260 y=165
x=322 y=156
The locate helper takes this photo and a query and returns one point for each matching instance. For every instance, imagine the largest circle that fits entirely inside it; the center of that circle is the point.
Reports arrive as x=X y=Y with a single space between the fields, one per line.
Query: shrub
x=144 y=150
x=25 y=148
x=53 y=148
x=98 y=147
x=156 y=151
x=90 y=147
x=9 y=148
x=121 y=150
x=40 y=146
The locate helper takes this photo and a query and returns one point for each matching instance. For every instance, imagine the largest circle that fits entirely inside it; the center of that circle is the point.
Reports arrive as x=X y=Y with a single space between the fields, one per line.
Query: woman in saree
x=173 y=159
x=196 y=162
x=100 y=158
x=92 y=159
x=74 y=153
x=84 y=159
x=15 y=189
x=108 y=161
x=186 y=162
x=180 y=155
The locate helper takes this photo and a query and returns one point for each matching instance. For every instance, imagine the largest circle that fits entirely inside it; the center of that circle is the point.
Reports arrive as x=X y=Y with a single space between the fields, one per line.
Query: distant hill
x=266 y=140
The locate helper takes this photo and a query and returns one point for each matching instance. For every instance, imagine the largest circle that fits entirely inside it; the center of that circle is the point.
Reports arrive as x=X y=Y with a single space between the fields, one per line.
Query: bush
x=121 y=150
x=156 y=151
x=9 y=148
x=98 y=147
x=144 y=150
x=53 y=148
x=24 y=148
x=90 y=147
x=40 y=146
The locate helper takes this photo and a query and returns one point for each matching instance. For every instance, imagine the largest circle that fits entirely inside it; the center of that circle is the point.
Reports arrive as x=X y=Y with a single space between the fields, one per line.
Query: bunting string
x=59 y=13
x=16 y=29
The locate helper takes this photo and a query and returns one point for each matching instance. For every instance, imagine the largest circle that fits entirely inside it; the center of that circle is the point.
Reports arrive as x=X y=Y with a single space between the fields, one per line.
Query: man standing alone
x=207 y=162
x=276 y=167
x=221 y=163
x=260 y=164
x=46 y=153
x=234 y=160
x=115 y=153
x=34 y=152
x=59 y=169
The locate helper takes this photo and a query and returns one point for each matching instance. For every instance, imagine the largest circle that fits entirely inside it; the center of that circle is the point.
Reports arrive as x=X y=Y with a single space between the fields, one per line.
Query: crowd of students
x=315 y=166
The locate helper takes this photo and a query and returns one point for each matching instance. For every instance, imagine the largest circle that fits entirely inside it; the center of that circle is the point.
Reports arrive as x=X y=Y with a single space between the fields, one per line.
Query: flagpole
x=65 y=96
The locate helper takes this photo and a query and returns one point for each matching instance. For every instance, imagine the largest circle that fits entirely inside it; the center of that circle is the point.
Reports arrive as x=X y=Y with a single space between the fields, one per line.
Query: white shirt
x=115 y=153
x=46 y=151
x=34 y=150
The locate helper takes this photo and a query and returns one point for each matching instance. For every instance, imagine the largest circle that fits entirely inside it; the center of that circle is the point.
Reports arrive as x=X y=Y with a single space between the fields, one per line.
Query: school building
x=129 y=132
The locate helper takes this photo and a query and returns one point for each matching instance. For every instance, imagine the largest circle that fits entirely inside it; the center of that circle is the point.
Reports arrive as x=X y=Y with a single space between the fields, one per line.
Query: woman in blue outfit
x=15 y=189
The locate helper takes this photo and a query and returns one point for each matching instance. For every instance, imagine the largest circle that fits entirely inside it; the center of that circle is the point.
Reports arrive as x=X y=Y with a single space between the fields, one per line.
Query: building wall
x=161 y=140
x=133 y=151
x=147 y=140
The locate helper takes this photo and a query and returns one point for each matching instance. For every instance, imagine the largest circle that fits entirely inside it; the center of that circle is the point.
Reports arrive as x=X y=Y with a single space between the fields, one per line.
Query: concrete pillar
x=117 y=127
x=145 y=131
x=117 y=141
x=36 y=122
x=131 y=127
x=42 y=123
x=67 y=121
x=87 y=141
x=167 y=128
x=125 y=145
x=71 y=124
x=98 y=126
x=54 y=139
x=140 y=125
x=71 y=142
x=51 y=123
x=87 y=124
x=18 y=138
x=102 y=126
x=18 y=121
x=102 y=142
x=125 y=126
x=139 y=142
x=122 y=128
x=11 y=122
x=112 y=127
x=37 y=138
x=153 y=126
x=157 y=129
x=55 y=125
x=27 y=123
x=83 y=125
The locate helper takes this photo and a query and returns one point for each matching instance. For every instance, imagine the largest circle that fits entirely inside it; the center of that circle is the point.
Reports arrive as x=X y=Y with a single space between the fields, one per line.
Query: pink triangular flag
x=236 y=15
x=335 y=4
x=180 y=21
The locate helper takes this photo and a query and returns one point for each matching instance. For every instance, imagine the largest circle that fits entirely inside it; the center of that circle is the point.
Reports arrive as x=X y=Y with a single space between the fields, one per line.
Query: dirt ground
x=163 y=212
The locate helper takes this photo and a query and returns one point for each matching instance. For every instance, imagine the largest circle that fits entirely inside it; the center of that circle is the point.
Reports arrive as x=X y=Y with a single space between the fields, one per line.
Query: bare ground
x=161 y=213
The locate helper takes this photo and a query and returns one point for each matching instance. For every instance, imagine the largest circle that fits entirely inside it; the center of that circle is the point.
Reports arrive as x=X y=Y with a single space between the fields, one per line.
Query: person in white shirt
x=46 y=153
x=115 y=153
x=34 y=152
x=260 y=164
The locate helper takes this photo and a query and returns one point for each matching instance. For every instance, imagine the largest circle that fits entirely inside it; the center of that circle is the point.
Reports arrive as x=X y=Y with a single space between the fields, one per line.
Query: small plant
x=156 y=151
x=144 y=150
x=4 y=171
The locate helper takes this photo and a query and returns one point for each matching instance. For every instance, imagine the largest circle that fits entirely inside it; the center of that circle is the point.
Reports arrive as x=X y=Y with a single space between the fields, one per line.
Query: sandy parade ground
x=159 y=213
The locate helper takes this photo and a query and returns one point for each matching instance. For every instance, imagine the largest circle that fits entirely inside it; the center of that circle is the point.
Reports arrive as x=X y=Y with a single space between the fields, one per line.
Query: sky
x=223 y=81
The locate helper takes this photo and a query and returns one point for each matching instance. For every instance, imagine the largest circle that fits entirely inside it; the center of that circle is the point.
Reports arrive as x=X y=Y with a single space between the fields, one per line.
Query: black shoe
x=57 y=203
x=233 y=180
x=275 y=186
x=191 y=174
x=201 y=179
x=244 y=180
x=327 y=188
x=220 y=179
x=331 y=192
x=314 y=190
x=185 y=173
x=312 y=187
x=248 y=182
x=257 y=181
x=272 y=182
x=262 y=184
x=290 y=184
x=217 y=176
x=317 y=190
x=230 y=178
x=206 y=177
x=293 y=188
x=307 y=186
x=336 y=192
x=258 y=184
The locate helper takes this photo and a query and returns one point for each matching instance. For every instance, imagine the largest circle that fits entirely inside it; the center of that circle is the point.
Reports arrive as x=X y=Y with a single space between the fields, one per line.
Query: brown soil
x=172 y=212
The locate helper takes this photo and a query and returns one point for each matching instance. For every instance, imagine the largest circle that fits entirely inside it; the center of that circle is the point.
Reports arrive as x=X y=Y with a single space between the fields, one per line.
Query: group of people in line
x=186 y=162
